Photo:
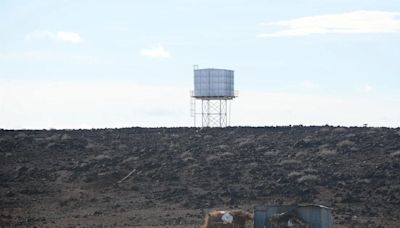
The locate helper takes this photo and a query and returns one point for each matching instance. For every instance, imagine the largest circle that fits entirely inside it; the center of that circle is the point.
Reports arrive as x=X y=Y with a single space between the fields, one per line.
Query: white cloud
x=69 y=37
x=309 y=84
x=367 y=88
x=156 y=52
x=46 y=56
x=26 y=55
x=356 y=22
x=61 y=36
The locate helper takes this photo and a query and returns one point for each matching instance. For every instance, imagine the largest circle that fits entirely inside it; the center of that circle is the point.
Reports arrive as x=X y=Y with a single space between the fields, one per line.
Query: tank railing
x=204 y=94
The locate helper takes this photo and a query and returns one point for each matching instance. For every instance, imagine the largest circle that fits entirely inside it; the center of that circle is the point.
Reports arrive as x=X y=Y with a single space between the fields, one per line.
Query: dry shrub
x=340 y=130
x=227 y=154
x=290 y=162
x=51 y=145
x=130 y=159
x=294 y=174
x=308 y=139
x=325 y=129
x=345 y=143
x=212 y=157
x=123 y=147
x=310 y=170
x=260 y=148
x=208 y=137
x=102 y=157
x=302 y=153
x=245 y=141
x=307 y=178
x=323 y=146
x=252 y=165
x=65 y=137
x=271 y=153
x=186 y=154
x=223 y=147
x=395 y=154
x=90 y=145
x=54 y=137
x=20 y=136
x=327 y=152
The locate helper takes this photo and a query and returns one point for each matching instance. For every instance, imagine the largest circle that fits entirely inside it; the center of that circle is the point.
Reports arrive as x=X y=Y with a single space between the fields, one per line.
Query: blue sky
x=72 y=64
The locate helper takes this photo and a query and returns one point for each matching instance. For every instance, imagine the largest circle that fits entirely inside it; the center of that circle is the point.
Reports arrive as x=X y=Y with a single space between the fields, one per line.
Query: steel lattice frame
x=214 y=112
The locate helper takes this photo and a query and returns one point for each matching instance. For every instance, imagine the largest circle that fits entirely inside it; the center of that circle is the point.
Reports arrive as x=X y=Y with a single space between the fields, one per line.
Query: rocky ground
x=75 y=178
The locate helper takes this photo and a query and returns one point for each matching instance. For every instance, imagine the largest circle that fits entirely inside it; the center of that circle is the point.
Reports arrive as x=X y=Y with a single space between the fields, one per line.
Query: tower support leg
x=214 y=112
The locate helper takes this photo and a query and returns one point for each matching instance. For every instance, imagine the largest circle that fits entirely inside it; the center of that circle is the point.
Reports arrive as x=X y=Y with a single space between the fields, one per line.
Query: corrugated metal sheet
x=316 y=215
x=213 y=83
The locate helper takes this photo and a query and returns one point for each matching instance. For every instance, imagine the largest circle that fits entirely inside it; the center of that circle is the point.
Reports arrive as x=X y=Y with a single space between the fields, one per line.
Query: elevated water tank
x=213 y=83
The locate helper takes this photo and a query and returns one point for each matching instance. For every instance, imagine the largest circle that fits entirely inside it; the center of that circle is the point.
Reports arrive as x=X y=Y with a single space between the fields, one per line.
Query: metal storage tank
x=214 y=83
x=317 y=216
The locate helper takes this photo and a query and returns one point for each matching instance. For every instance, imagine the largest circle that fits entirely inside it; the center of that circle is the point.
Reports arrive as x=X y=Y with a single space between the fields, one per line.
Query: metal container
x=317 y=216
x=209 y=83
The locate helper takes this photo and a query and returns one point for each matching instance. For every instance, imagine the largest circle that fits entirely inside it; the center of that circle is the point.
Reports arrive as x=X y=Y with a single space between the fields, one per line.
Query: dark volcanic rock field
x=171 y=176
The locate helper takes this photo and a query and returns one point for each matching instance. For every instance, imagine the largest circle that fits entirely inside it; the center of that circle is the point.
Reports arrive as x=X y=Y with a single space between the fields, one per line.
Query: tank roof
x=214 y=69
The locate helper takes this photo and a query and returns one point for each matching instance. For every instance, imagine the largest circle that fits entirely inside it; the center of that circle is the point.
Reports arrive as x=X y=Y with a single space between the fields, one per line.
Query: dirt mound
x=171 y=176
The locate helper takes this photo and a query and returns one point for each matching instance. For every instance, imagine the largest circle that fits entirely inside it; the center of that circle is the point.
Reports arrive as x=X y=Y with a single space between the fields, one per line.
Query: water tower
x=214 y=89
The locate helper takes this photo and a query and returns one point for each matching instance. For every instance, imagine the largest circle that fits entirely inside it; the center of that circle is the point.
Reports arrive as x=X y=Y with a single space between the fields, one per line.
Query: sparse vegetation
x=179 y=172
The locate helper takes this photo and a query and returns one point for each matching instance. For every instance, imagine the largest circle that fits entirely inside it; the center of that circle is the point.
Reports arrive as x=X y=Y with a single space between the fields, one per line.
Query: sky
x=124 y=63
